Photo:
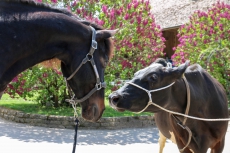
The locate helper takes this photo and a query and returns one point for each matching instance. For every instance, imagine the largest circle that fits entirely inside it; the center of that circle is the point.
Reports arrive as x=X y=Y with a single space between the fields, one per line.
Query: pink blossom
x=118 y=12
x=10 y=86
x=74 y=3
x=211 y=31
x=194 y=43
x=139 y=18
x=54 y=1
x=104 y=8
x=222 y=36
x=205 y=41
x=112 y=13
x=126 y=16
x=131 y=21
x=174 y=55
x=174 y=48
x=15 y=79
x=147 y=3
x=129 y=6
x=145 y=22
x=45 y=75
x=58 y=72
x=136 y=4
x=121 y=9
x=78 y=11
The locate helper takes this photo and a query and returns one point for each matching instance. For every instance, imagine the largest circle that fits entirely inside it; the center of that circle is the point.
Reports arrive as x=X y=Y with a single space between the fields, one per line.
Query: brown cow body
x=208 y=100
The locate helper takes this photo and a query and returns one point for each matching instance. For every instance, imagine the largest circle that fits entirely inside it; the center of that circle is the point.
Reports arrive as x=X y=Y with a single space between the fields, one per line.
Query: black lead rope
x=75 y=135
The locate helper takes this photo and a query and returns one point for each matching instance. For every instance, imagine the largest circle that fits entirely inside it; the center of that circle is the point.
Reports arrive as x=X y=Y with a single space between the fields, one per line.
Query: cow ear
x=177 y=72
x=103 y=34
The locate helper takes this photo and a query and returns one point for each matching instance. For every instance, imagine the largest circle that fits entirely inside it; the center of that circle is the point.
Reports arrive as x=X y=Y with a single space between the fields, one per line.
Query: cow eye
x=153 y=78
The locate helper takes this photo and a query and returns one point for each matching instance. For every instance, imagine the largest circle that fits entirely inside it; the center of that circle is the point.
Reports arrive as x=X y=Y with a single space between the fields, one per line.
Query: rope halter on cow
x=182 y=124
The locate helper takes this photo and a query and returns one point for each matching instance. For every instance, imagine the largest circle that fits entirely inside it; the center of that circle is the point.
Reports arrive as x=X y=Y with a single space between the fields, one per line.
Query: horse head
x=84 y=72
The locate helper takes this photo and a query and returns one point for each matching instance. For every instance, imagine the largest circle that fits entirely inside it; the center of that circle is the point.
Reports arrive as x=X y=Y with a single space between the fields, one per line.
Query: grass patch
x=30 y=106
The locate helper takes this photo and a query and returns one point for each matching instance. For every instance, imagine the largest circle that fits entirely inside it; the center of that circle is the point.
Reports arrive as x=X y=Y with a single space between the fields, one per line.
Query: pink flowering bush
x=205 y=39
x=45 y=84
x=139 y=40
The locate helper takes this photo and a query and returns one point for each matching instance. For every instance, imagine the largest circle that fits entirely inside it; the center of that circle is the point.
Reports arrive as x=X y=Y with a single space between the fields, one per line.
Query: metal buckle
x=94 y=44
x=98 y=86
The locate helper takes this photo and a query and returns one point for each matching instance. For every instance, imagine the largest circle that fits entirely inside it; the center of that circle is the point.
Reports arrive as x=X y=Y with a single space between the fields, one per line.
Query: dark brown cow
x=208 y=100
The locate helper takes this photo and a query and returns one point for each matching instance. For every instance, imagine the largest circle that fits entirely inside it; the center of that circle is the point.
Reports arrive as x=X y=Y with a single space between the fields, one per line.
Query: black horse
x=31 y=33
x=159 y=87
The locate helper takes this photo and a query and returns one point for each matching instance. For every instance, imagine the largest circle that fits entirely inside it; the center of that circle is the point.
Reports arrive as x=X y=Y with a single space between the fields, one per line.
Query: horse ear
x=179 y=71
x=103 y=34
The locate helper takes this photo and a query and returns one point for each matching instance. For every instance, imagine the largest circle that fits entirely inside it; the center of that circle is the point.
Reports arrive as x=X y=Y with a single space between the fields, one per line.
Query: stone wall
x=68 y=122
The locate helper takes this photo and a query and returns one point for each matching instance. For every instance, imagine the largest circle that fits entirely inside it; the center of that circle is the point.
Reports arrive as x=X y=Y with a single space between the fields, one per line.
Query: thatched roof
x=170 y=13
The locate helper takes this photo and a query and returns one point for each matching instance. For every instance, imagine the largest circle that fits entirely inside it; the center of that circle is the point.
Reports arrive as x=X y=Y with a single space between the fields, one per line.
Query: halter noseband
x=88 y=58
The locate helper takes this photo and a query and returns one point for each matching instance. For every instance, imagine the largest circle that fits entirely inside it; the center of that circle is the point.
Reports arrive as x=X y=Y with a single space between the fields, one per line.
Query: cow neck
x=181 y=124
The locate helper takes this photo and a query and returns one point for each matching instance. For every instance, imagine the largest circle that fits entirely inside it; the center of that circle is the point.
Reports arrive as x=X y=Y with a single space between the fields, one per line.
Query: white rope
x=169 y=111
x=191 y=117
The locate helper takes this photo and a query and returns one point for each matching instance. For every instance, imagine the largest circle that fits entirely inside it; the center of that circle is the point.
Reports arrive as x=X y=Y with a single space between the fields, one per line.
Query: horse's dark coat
x=31 y=33
x=208 y=100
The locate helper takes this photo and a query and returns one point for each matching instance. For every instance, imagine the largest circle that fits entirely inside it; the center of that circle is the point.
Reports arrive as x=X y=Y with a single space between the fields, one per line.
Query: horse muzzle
x=93 y=112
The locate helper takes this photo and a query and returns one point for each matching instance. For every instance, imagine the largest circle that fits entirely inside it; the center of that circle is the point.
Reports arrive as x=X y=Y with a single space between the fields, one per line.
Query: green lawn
x=29 y=106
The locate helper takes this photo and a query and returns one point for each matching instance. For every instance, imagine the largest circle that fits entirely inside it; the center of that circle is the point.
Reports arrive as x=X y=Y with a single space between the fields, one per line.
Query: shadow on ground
x=26 y=133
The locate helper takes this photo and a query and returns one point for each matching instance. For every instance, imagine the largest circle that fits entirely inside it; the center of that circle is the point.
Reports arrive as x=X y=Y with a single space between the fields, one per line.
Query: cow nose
x=114 y=98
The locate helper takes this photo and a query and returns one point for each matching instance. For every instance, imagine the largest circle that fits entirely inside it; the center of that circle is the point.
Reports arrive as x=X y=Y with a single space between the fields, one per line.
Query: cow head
x=155 y=76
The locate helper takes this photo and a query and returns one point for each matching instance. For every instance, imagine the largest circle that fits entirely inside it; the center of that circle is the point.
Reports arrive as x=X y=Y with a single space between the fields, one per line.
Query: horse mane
x=53 y=63
x=42 y=5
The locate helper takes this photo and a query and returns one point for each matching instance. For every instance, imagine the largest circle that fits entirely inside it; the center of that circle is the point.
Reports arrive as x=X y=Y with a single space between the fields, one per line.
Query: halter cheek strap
x=88 y=58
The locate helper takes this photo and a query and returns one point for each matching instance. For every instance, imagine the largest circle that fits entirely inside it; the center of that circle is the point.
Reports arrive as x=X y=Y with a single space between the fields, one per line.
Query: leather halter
x=88 y=58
